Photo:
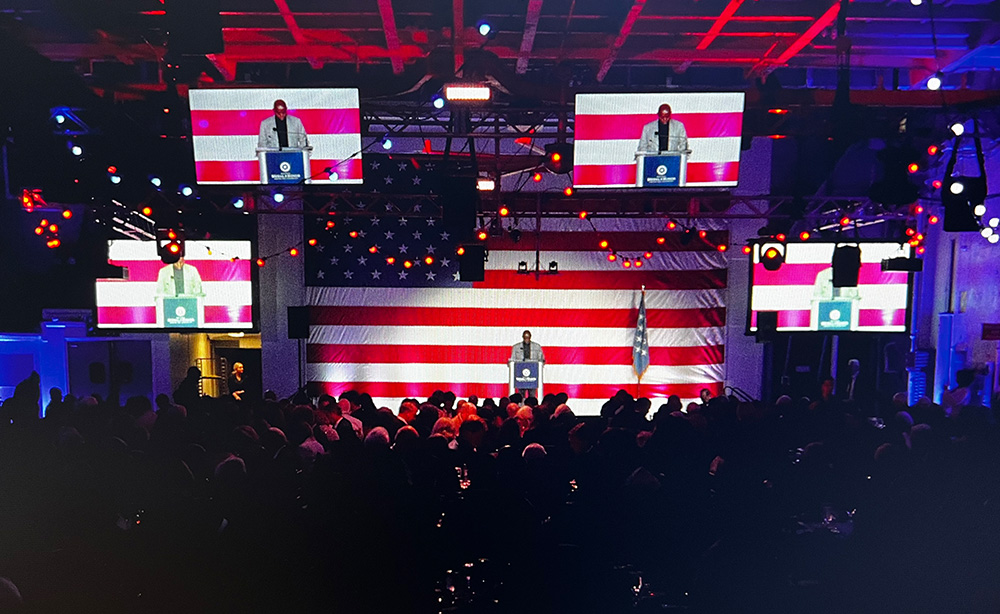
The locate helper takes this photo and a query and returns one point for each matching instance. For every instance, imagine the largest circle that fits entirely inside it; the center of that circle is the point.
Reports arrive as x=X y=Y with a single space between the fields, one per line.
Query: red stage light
x=921 y=250
x=260 y=262
x=54 y=243
x=583 y=215
x=53 y=228
x=112 y=169
x=174 y=248
x=661 y=240
x=612 y=257
x=919 y=209
x=373 y=249
x=671 y=225
x=721 y=247
x=804 y=235
x=171 y=234
x=647 y=255
x=536 y=177
x=556 y=157
x=910 y=232
x=781 y=237
x=932 y=150
x=770 y=253
x=482 y=235
x=627 y=263
x=39 y=230
x=933 y=219
x=603 y=244
x=937 y=184
x=147 y=211
x=747 y=249
x=638 y=263
x=504 y=211
x=407 y=264
x=429 y=260
x=390 y=260
x=913 y=242
x=919 y=237
x=67 y=214
x=330 y=224
x=353 y=234
x=293 y=252
x=913 y=167
x=460 y=251
x=43 y=223
x=312 y=242
x=702 y=233
x=844 y=221
x=568 y=191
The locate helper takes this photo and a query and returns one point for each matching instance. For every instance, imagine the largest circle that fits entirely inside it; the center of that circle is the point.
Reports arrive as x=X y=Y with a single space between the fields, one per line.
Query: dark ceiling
x=391 y=46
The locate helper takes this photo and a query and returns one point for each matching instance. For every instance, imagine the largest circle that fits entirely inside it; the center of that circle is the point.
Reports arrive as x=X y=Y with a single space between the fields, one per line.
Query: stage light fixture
x=76 y=150
x=913 y=167
x=438 y=102
x=353 y=234
x=293 y=251
x=390 y=260
x=60 y=118
x=373 y=249
x=958 y=128
x=979 y=210
x=612 y=257
x=647 y=255
x=603 y=244
x=845 y=221
x=278 y=197
x=772 y=257
x=721 y=247
x=503 y=211
x=994 y=238
x=485 y=185
x=747 y=249
x=704 y=233
x=334 y=175
x=238 y=203
x=484 y=28
x=156 y=181
x=627 y=263
x=671 y=225
x=522 y=267
x=536 y=177
x=428 y=260
x=661 y=240
x=169 y=245
x=467 y=92
x=568 y=191
x=582 y=215
x=482 y=235
x=934 y=83
x=933 y=219
x=147 y=211
x=956 y=187
x=637 y=263
x=313 y=242
x=932 y=150
x=386 y=143
x=936 y=184
x=115 y=179
x=53 y=243
x=260 y=262
x=986 y=232
x=553 y=267
x=460 y=251
x=804 y=235
x=407 y=264
x=994 y=222
x=186 y=190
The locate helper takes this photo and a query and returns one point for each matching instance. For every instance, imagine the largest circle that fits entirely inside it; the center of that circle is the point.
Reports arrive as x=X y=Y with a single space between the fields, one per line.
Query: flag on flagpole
x=640 y=343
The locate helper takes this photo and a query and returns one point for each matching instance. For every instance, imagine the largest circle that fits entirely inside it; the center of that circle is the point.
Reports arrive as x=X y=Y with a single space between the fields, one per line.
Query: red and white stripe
x=401 y=342
x=883 y=295
x=225 y=124
x=608 y=127
x=130 y=302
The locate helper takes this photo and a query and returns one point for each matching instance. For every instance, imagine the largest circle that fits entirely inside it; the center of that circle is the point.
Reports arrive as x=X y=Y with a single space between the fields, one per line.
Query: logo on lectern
x=285 y=167
x=180 y=312
x=661 y=170
x=834 y=315
x=525 y=372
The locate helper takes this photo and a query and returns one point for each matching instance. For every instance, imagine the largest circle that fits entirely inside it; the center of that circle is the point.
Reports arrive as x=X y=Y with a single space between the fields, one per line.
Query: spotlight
x=932 y=150
x=958 y=128
x=67 y=214
x=913 y=167
x=156 y=181
x=353 y=234
x=721 y=247
x=60 y=118
x=536 y=177
x=467 y=92
x=568 y=191
x=986 y=232
x=583 y=215
x=115 y=179
x=612 y=257
x=781 y=237
x=916 y=2
x=992 y=239
x=603 y=244
x=979 y=210
x=186 y=190
x=482 y=235
x=933 y=219
x=671 y=225
x=957 y=187
x=627 y=263
x=553 y=267
x=661 y=240
x=484 y=28
x=804 y=235
x=994 y=222
x=238 y=203
x=313 y=242
x=460 y=251
x=390 y=260
x=934 y=83
x=373 y=249
x=647 y=255
x=844 y=221
x=386 y=143
x=278 y=197
x=147 y=211
x=260 y=262
x=522 y=267
x=936 y=184
x=747 y=249
x=334 y=175
x=428 y=260
x=294 y=251
x=407 y=264
x=772 y=258
x=53 y=243
x=438 y=102
x=704 y=233
x=503 y=211
x=637 y=263
x=76 y=150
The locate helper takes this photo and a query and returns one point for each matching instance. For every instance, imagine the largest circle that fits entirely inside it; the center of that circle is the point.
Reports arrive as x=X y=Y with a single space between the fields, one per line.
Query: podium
x=290 y=165
x=836 y=315
x=525 y=375
x=180 y=312
x=661 y=170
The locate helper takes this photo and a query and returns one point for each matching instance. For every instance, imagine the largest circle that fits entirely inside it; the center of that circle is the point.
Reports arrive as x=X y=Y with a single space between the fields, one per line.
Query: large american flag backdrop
x=400 y=332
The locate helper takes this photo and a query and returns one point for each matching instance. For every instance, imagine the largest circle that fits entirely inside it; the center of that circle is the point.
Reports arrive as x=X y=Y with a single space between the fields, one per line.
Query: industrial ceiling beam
x=297 y=35
x=713 y=32
x=626 y=29
x=391 y=35
x=528 y=40
x=766 y=66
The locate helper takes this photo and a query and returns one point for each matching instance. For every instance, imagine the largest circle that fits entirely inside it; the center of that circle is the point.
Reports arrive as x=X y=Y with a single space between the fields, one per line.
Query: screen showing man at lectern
x=212 y=287
x=665 y=140
x=276 y=135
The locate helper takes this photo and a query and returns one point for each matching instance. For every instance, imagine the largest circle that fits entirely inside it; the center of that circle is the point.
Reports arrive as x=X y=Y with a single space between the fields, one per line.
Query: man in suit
x=664 y=134
x=282 y=130
x=178 y=279
x=527 y=350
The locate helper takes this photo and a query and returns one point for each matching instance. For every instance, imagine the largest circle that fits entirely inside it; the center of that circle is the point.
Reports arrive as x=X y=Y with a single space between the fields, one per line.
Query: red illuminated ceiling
x=598 y=37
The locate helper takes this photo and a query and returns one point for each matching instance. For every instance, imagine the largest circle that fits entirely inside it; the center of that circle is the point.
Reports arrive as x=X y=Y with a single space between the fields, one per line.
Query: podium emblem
x=525 y=372
x=180 y=312
x=661 y=170
x=834 y=315
x=285 y=167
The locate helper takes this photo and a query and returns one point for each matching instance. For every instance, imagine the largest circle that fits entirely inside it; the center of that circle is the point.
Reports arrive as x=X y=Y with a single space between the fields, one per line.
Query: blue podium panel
x=285 y=167
x=834 y=315
x=526 y=375
x=662 y=171
x=180 y=312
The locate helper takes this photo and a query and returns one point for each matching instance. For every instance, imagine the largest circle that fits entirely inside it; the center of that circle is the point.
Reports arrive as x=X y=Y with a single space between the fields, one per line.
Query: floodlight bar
x=467 y=92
